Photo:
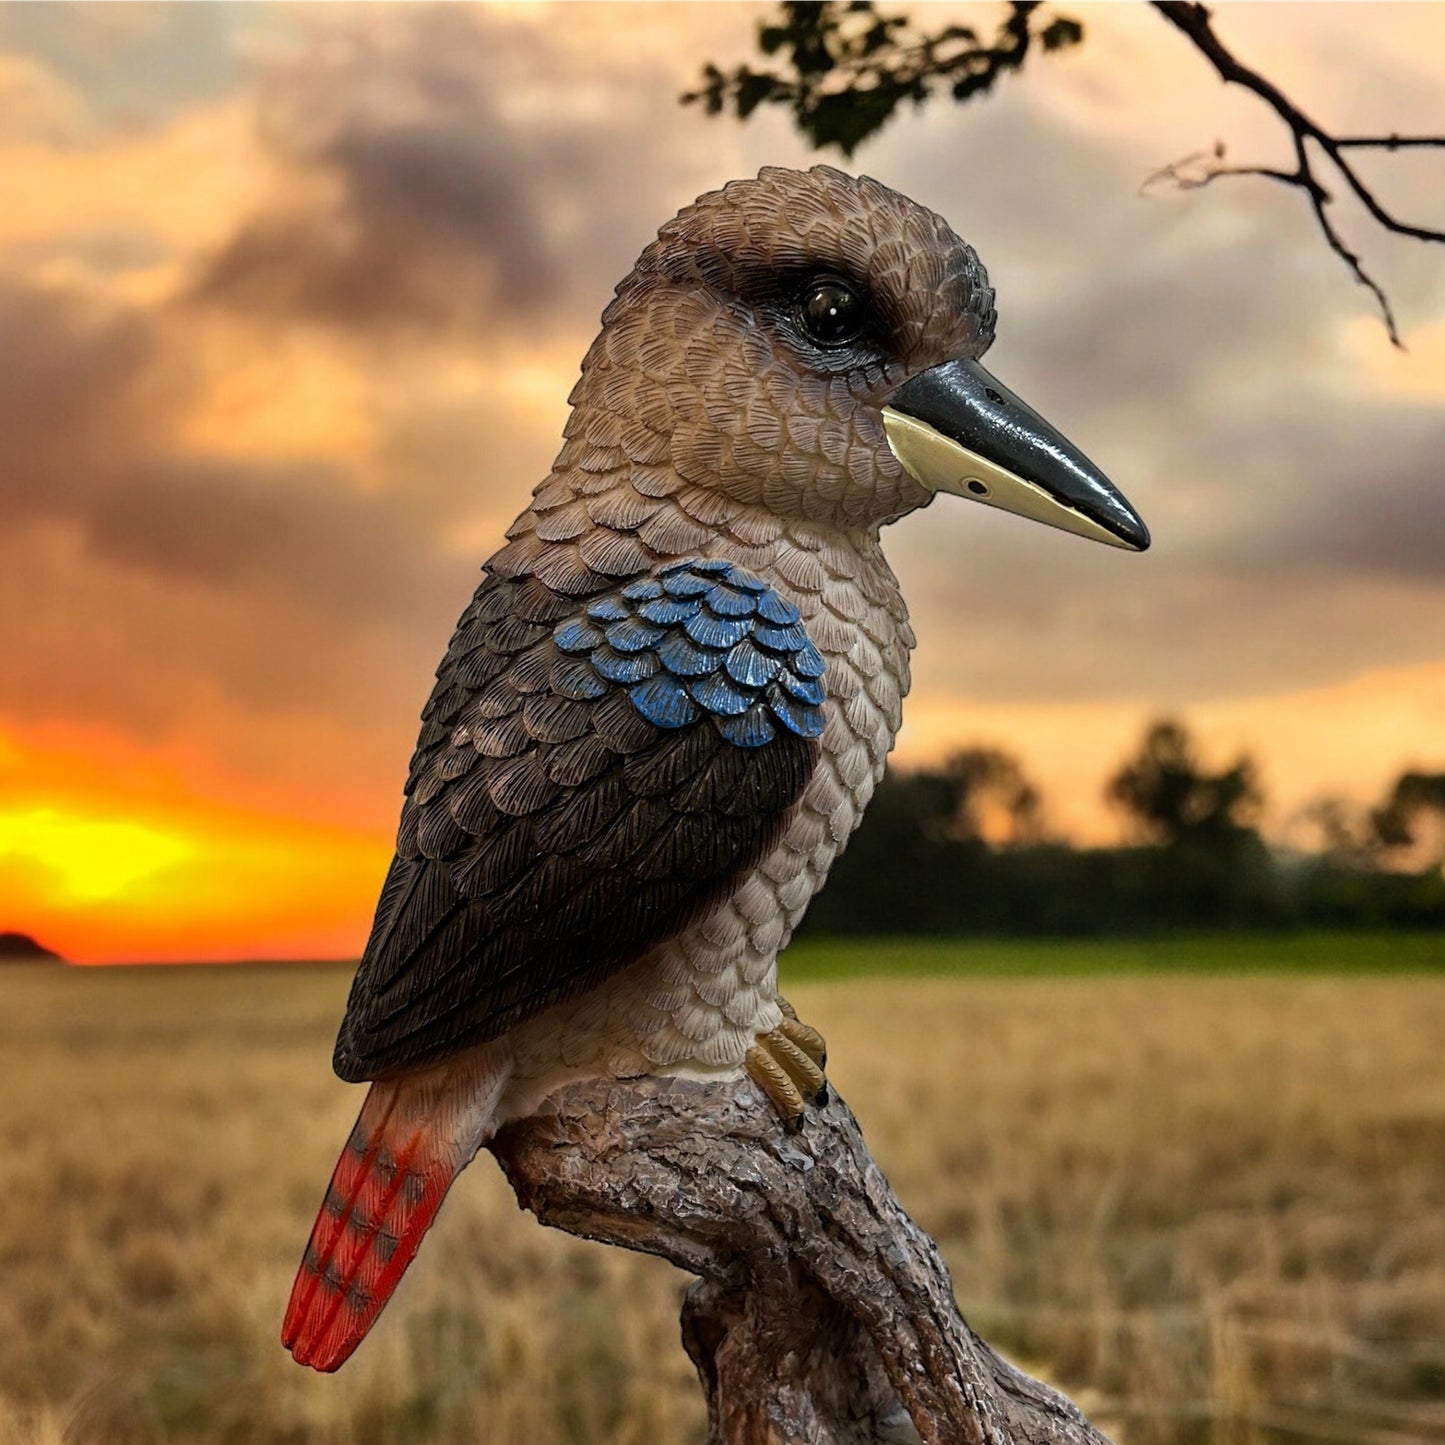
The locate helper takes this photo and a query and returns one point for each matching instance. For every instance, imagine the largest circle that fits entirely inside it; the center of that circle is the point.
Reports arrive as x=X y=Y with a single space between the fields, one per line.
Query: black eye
x=830 y=312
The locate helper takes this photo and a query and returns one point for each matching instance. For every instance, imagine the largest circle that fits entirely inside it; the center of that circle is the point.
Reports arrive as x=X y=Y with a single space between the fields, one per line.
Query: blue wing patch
x=703 y=636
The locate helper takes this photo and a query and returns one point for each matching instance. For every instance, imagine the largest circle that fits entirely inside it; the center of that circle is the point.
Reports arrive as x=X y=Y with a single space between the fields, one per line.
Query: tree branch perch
x=822 y=1314
x=1193 y=20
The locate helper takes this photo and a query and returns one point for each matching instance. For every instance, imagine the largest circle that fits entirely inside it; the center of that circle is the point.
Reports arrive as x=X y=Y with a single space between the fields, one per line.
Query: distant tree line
x=963 y=848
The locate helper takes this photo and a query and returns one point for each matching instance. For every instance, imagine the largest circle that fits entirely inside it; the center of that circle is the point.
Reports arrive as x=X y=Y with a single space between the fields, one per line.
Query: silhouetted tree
x=1171 y=798
x=1345 y=834
x=1363 y=876
x=993 y=801
x=843 y=68
x=1414 y=798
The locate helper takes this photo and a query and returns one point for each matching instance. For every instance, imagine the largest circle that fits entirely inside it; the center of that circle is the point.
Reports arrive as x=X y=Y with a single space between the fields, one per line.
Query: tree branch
x=822 y=1313
x=848 y=69
x=1193 y=20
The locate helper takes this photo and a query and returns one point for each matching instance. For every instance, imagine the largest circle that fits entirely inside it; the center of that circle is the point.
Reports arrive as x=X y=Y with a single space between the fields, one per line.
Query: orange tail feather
x=386 y=1189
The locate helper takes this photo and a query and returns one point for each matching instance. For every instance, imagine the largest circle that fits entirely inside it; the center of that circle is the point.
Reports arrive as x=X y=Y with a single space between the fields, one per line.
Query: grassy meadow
x=1199 y=1184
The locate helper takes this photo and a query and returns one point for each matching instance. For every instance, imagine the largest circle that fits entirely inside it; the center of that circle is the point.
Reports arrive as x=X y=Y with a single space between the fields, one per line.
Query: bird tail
x=414 y=1135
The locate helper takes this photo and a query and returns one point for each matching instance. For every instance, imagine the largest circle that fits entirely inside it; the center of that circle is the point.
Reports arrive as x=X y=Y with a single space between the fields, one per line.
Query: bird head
x=809 y=343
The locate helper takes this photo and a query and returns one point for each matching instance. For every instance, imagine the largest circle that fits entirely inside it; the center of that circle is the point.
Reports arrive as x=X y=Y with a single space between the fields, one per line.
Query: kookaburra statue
x=674 y=691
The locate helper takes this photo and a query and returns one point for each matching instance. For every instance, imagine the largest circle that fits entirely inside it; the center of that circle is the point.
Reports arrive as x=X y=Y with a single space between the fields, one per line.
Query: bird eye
x=830 y=312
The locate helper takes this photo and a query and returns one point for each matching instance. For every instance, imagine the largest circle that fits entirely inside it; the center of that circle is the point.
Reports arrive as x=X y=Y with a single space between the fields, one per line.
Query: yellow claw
x=808 y=1039
x=787 y=1064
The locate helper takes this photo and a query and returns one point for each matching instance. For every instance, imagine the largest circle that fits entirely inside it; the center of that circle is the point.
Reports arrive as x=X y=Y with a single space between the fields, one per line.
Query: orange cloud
x=1418 y=372
x=121 y=186
x=281 y=397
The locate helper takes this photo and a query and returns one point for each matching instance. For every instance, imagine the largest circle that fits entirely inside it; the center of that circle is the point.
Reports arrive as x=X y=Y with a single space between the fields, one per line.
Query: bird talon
x=787 y=1065
x=770 y=1076
x=808 y=1039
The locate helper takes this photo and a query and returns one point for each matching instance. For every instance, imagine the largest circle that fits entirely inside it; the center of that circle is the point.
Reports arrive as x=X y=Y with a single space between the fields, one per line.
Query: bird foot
x=787 y=1065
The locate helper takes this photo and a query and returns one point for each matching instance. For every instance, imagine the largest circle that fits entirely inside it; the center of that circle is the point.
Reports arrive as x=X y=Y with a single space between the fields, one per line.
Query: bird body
x=694 y=1004
x=671 y=697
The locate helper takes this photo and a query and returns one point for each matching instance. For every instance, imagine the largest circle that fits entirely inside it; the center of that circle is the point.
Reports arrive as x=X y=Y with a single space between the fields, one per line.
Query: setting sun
x=88 y=858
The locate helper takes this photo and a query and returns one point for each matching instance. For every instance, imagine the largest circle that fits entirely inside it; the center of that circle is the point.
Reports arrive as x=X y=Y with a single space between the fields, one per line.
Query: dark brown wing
x=591 y=777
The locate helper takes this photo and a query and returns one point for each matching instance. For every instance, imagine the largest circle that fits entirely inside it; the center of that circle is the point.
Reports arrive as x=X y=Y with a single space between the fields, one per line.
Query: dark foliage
x=847 y=68
x=1414 y=797
x=1171 y=799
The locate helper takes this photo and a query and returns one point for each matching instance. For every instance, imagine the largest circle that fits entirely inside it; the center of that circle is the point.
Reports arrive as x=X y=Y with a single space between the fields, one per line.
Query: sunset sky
x=291 y=299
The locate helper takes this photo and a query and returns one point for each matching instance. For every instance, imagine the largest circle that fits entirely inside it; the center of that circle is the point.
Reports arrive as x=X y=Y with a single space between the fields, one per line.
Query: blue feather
x=682 y=657
x=643 y=590
x=781 y=639
x=719 y=695
x=684 y=584
x=751 y=730
x=717 y=631
x=805 y=689
x=806 y=722
x=632 y=635
x=668 y=610
x=773 y=608
x=738 y=577
x=624 y=666
x=808 y=661
x=728 y=603
x=608 y=609
x=663 y=702
x=577 y=635
x=745 y=664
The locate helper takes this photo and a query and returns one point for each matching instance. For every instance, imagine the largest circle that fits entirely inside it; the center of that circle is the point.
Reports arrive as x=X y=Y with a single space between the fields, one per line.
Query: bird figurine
x=666 y=707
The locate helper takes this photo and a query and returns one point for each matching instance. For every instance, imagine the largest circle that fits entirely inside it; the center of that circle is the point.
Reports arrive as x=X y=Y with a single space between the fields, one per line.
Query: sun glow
x=107 y=857
x=87 y=859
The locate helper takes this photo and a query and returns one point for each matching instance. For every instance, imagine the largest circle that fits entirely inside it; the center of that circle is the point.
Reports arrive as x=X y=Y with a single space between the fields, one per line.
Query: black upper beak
x=956 y=429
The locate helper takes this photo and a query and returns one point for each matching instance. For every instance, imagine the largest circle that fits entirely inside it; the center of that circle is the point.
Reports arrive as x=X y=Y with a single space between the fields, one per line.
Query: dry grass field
x=1211 y=1207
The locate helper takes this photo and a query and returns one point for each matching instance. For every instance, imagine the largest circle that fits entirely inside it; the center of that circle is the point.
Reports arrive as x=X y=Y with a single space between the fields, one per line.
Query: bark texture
x=822 y=1315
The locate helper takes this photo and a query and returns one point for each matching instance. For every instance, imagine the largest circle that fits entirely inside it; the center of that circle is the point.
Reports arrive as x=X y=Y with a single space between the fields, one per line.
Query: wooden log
x=821 y=1315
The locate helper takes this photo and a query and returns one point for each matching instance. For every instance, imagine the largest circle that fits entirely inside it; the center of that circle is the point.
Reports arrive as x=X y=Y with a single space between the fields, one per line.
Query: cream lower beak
x=957 y=429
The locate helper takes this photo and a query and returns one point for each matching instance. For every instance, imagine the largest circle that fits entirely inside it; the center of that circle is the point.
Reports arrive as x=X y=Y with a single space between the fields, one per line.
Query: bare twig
x=1195 y=23
x=822 y=1313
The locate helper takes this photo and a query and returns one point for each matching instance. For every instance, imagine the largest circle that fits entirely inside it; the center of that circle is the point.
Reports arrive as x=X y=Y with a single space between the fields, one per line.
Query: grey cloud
x=84 y=383
x=280 y=586
x=1005 y=611
x=431 y=200
x=1345 y=492
x=304 y=532
x=135 y=62
x=87 y=422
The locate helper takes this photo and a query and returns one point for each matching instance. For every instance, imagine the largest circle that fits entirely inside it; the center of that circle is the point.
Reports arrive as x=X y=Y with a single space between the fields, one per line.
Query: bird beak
x=956 y=429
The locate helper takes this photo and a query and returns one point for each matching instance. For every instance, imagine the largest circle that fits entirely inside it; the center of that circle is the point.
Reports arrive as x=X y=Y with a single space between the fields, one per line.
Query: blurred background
x=291 y=299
